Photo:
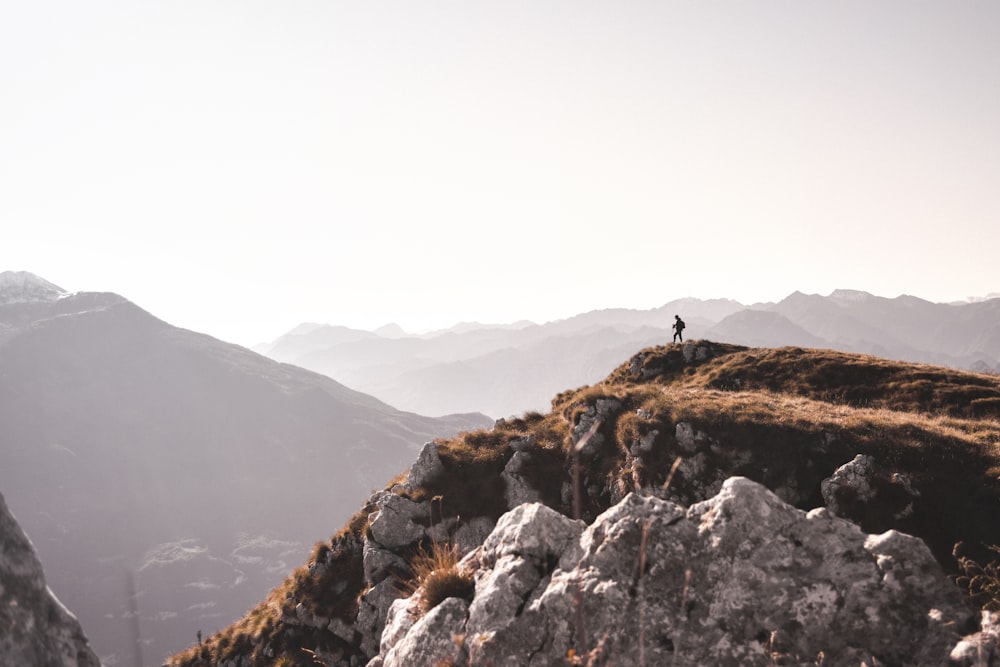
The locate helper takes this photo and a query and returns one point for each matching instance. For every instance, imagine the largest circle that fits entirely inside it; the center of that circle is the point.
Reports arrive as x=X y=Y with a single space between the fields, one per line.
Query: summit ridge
x=26 y=287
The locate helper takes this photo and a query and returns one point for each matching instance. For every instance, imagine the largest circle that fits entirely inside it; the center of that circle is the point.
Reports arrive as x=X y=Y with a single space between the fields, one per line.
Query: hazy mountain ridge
x=436 y=373
x=907 y=328
x=127 y=444
x=886 y=445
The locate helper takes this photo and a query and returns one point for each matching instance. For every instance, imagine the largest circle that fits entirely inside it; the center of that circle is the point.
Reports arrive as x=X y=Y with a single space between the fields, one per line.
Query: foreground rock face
x=35 y=629
x=740 y=579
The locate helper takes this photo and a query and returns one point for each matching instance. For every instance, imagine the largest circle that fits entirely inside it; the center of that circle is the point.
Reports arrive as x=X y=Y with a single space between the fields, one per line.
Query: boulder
x=434 y=639
x=394 y=524
x=696 y=351
x=981 y=649
x=471 y=533
x=380 y=563
x=869 y=494
x=517 y=489
x=372 y=613
x=427 y=468
x=739 y=579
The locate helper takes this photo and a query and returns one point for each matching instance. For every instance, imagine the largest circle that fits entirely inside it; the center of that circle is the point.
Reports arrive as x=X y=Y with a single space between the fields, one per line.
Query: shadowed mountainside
x=129 y=445
x=921 y=446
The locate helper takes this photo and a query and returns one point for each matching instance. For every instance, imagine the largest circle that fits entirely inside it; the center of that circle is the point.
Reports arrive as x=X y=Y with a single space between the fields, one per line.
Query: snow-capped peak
x=849 y=296
x=25 y=287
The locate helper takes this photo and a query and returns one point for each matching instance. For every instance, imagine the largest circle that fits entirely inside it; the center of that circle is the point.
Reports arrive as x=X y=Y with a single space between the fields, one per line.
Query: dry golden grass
x=436 y=576
x=981 y=581
x=826 y=375
x=796 y=425
x=790 y=414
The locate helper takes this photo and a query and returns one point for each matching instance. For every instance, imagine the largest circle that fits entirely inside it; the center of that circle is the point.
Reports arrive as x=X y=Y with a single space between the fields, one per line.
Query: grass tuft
x=437 y=576
x=981 y=582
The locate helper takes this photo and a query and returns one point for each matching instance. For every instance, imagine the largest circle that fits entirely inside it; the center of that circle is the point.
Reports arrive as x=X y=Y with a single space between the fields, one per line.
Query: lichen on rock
x=737 y=579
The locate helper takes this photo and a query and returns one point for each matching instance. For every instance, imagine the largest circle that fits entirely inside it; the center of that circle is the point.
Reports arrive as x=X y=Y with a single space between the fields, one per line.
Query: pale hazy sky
x=237 y=167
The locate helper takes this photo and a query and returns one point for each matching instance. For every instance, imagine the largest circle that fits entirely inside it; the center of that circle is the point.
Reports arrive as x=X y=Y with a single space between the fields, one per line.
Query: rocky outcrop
x=517 y=488
x=35 y=629
x=981 y=649
x=647 y=366
x=397 y=525
x=740 y=579
x=869 y=494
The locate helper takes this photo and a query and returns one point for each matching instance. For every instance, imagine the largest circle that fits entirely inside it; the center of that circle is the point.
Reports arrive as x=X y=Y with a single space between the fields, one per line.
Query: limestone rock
x=435 y=639
x=372 y=613
x=981 y=649
x=470 y=534
x=602 y=409
x=380 y=563
x=707 y=461
x=402 y=615
x=395 y=523
x=35 y=628
x=645 y=366
x=427 y=468
x=853 y=477
x=869 y=494
x=739 y=579
x=696 y=351
x=532 y=531
x=517 y=490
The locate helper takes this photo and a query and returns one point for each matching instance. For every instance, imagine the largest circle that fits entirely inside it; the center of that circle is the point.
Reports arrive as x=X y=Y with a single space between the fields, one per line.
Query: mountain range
x=504 y=370
x=133 y=448
x=161 y=469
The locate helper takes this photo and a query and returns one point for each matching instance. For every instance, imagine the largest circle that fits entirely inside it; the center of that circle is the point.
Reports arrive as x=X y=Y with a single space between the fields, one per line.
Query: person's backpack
x=680 y=325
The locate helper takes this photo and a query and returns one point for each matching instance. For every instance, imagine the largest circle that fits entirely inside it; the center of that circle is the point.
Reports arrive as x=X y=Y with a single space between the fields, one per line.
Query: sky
x=238 y=167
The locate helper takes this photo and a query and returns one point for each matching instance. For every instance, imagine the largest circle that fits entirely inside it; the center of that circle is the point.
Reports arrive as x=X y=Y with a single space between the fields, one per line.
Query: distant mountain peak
x=849 y=296
x=305 y=328
x=26 y=287
x=976 y=299
x=391 y=330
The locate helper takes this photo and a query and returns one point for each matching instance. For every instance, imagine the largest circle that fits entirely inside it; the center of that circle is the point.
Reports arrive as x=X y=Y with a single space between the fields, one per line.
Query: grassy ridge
x=784 y=417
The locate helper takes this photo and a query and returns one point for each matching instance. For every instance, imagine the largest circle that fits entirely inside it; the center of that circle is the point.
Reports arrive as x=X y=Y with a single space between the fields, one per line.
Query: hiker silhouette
x=678 y=328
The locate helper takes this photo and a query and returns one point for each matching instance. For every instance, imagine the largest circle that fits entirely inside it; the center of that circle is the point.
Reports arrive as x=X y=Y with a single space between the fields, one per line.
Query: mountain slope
x=887 y=445
x=36 y=628
x=127 y=444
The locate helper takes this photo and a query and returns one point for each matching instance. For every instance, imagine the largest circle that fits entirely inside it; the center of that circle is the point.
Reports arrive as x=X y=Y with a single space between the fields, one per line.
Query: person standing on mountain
x=678 y=328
